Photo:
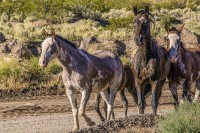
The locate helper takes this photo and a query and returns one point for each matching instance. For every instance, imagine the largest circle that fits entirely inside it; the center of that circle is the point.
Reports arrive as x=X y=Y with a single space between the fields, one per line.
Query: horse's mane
x=182 y=45
x=66 y=41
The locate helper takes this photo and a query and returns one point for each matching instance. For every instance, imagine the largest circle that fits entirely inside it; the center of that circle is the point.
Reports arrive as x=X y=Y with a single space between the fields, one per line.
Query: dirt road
x=53 y=114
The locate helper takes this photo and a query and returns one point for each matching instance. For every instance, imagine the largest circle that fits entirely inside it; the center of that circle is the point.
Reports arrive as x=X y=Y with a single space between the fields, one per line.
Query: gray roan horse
x=83 y=72
x=150 y=64
x=185 y=66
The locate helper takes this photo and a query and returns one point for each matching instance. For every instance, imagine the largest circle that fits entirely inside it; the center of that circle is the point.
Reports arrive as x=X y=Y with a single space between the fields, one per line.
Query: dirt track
x=53 y=114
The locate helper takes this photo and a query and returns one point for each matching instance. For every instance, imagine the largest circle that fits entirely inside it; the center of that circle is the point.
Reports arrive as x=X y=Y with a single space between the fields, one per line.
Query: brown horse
x=185 y=65
x=127 y=82
x=150 y=64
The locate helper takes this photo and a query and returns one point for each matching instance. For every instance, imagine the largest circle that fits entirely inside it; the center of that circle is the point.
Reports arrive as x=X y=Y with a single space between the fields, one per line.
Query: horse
x=150 y=64
x=83 y=72
x=127 y=82
x=185 y=66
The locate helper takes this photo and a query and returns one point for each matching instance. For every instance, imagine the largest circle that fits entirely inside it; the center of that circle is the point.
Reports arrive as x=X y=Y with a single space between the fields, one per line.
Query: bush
x=15 y=74
x=186 y=119
x=167 y=20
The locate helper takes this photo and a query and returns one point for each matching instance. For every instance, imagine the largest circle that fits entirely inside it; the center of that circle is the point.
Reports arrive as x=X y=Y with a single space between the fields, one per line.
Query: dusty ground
x=52 y=114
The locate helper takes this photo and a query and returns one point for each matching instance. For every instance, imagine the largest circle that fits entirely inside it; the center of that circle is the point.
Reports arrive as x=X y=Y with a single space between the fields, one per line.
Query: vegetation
x=15 y=74
x=186 y=119
x=77 y=19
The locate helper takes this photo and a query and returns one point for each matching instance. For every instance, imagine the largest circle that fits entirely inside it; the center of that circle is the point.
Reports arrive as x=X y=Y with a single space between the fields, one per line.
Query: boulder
x=190 y=39
x=21 y=51
x=2 y=37
x=120 y=47
x=85 y=43
x=4 y=49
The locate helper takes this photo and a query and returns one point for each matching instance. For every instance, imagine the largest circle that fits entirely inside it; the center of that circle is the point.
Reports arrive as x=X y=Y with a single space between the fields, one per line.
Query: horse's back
x=113 y=62
x=104 y=54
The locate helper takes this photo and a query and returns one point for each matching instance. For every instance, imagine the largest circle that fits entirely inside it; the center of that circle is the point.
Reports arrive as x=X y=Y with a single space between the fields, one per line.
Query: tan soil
x=52 y=114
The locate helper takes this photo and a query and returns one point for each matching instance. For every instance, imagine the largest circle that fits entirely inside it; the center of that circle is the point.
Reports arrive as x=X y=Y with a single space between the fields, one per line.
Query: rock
x=121 y=47
x=4 y=49
x=21 y=51
x=190 y=39
x=85 y=43
x=2 y=37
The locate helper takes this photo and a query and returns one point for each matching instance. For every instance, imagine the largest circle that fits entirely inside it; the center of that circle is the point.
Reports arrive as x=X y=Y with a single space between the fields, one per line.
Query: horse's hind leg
x=97 y=103
x=197 y=91
x=72 y=98
x=109 y=99
x=84 y=99
x=105 y=110
x=124 y=102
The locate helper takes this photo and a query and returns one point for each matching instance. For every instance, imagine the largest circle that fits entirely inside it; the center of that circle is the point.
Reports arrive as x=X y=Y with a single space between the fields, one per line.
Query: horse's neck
x=147 y=51
x=150 y=50
x=70 y=58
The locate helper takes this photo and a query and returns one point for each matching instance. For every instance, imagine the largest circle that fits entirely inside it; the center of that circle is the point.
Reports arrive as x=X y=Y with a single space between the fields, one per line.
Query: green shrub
x=116 y=23
x=15 y=74
x=167 y=20
x=184 y=120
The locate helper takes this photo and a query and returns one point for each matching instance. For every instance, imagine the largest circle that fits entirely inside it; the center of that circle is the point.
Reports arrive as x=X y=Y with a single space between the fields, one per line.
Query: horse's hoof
x=102 y=120
x=75 y=129
x=92 y=123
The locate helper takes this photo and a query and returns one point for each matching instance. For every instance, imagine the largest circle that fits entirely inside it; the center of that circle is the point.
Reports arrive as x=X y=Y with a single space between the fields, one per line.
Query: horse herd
x=104 y=74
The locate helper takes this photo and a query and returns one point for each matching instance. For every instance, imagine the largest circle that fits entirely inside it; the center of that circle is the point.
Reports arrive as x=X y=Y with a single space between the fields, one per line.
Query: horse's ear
x=44 y=33
x=53 y=33
x=167 y=28
x=181 y=28
x=135 y=10
x=146 y=9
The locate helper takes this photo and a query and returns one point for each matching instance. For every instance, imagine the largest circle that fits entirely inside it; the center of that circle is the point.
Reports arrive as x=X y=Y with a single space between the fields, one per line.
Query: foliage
x=51 y=10
x=185 y=119
x=29 y=72
x=167 y=20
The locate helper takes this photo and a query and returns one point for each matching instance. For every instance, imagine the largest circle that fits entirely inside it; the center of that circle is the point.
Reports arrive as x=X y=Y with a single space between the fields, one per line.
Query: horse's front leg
x=72 y=98
x=186 y=91
x=197 y=90
x=156 y=93
x=141 y=97
x=84 y=99
x=173 y=89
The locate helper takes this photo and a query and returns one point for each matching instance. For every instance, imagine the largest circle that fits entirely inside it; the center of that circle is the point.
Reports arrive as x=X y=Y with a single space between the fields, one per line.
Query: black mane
x=66 y=41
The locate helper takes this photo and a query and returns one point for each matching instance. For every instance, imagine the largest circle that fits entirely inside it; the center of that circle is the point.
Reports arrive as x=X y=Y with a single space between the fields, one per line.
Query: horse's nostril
x=43 y=62
x=141 y=39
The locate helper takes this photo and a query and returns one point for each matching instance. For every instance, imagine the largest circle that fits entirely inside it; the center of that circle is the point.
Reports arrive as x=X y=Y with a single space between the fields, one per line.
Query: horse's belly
x=98 y=89
x=99 y=85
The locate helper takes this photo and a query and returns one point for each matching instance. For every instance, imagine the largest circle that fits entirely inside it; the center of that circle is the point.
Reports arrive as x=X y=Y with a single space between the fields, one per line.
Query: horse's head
x=49 y=48
x=173 y=42
x=141 y=25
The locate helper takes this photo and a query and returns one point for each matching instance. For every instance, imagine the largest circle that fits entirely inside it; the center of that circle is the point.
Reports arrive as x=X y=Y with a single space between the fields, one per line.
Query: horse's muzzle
x=42 y=63
x=139 y=40
x=173 y=59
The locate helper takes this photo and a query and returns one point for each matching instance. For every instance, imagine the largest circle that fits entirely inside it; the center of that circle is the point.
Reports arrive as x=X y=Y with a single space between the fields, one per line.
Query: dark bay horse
x=83 y=72
x=150 y=64
x=185 y=66
x=128 y=82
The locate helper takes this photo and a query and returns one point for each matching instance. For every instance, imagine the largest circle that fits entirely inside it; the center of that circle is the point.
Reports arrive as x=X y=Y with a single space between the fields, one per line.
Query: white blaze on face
x=46 y=54
x=173 y=40
x=142 y=18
